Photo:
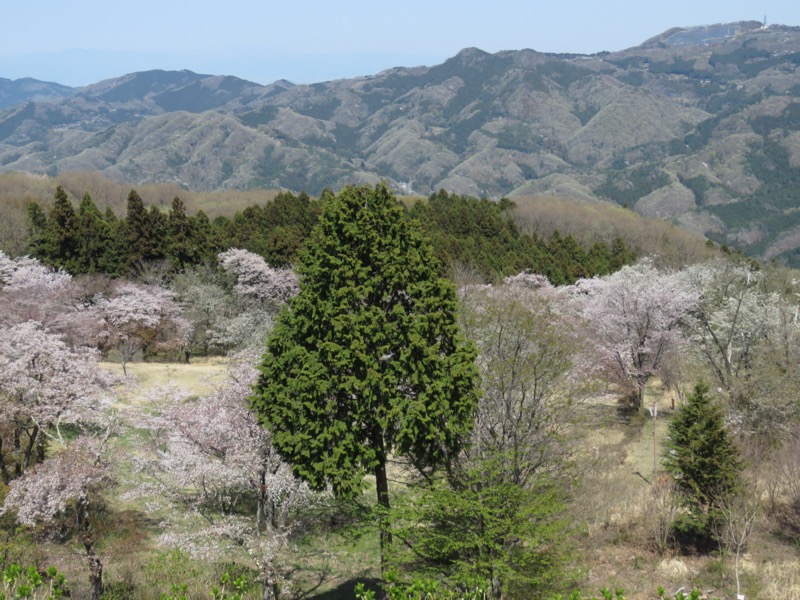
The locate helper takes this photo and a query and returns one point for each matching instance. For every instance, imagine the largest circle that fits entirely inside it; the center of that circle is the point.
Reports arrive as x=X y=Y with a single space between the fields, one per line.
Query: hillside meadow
x=613 y=514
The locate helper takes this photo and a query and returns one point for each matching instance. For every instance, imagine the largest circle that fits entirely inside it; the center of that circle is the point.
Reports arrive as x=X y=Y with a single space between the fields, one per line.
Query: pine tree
x=182 y=249
x=702 y=459
x=134 y=232
x=368 y=360
x=59 y=247
x=95 y=239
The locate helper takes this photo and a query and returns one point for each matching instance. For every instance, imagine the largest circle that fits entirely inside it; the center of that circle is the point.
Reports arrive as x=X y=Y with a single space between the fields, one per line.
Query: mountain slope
x=17 y=91
x=698 y=125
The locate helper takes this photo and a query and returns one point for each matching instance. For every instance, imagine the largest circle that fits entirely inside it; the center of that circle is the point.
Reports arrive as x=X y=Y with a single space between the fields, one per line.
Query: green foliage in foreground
x=21 y=582
x=485 y=527
x=228 y=589
x=431 y=590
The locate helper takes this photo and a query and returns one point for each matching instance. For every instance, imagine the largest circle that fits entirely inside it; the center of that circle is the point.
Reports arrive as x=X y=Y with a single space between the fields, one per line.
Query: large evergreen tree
x=95 y=239
x=703 y=460
x=368 y=360
x=182 y=247
x=59 y=246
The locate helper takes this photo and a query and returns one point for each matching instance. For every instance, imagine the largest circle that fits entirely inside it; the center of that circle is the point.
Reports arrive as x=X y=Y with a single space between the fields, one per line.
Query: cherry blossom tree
x=65 y=491
x=745 y=328
x=141 y=318
x=256 y=279
x=635 y=316
x=63 y=305
x=232 y=309
x=24 y=278
x=734 y=313
x=532 y=372
x=26 y=273
x=212 y=458
x=43 y=385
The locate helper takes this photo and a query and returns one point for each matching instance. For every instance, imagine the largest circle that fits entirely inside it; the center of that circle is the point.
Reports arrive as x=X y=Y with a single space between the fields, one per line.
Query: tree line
x=464 y=231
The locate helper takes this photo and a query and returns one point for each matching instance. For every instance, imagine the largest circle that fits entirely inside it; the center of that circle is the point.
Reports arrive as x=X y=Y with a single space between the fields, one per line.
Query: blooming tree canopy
x=635 y=315
x=212 y=456
x=142 y=317
x=256 y=279
x=43 y=384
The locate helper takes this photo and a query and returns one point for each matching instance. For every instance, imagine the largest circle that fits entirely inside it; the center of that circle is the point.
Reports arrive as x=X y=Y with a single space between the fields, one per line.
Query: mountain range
x=698 y=125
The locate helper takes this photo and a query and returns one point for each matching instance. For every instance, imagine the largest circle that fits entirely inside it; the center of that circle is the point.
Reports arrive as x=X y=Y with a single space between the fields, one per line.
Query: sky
x=78 y=42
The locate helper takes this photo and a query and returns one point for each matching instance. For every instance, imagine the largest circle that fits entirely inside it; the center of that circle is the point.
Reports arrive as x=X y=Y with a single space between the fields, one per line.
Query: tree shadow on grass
x=347 y=589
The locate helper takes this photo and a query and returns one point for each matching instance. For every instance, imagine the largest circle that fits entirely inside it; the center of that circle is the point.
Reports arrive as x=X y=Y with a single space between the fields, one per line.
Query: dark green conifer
x=59 y=246
x=702 y=460
x=368 y=360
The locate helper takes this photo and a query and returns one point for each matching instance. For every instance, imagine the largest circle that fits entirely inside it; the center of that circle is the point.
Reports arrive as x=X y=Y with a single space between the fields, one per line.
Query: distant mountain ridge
x=698 y=125
x=30 y=90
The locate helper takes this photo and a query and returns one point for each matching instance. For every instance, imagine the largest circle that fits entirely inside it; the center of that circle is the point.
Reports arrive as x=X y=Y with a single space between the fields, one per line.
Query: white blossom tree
x=259 y=291
x=635 y=316
x=732 y=315
x=140 y=318
x=256 y=279
x=745 y=328
x=213 y=459
x=64 y=490
x=43 y=385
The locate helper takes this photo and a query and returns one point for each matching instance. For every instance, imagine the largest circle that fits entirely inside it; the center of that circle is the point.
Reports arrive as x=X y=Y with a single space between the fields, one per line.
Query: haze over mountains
x=698 y=125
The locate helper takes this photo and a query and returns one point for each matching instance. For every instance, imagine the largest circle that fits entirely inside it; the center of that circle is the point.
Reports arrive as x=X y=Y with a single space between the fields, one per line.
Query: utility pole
x=654 y=412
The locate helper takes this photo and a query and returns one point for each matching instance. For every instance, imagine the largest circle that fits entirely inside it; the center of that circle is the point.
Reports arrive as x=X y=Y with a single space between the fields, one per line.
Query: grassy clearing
x=197 y=377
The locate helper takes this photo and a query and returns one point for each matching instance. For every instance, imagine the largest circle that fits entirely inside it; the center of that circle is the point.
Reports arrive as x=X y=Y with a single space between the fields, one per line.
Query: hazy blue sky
x=77 y=42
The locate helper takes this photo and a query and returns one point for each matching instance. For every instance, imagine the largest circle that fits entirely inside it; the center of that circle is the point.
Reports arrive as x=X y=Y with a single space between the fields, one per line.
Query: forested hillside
x=448 y=405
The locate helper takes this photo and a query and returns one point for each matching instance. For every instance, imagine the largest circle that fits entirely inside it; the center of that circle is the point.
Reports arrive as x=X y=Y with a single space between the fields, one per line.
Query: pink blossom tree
x=63 y=305
x=24 y=278
x=635 y=316
x=43 y=385
x=212 y=458
x=64 y=490
x=256 y=279
x=532 y=373
x=141 y=318
x=27 y=273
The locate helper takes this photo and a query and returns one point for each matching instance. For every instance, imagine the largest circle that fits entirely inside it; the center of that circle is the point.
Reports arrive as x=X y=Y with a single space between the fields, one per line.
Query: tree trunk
x=382 y=485
x=26 y=463
x=271 y=590
x=3 y=467
x=639 y=397
x=95 y=573
x=87 y=539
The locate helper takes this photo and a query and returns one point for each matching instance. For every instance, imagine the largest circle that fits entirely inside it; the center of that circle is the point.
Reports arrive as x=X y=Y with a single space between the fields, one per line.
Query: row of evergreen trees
x=466 y=231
